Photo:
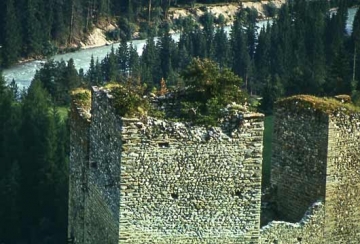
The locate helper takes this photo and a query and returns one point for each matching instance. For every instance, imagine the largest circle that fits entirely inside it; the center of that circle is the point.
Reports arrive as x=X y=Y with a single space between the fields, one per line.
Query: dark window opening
x=84 y=187
x=110 y=184
x=174 y=196
x=299 y=239
x=164 y=144
x=238 y=193
x=93 y=165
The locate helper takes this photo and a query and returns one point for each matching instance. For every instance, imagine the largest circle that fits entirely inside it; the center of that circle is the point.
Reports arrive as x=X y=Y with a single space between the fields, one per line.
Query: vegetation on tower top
x=82 y=97
x=208 y=89
x=326 y=105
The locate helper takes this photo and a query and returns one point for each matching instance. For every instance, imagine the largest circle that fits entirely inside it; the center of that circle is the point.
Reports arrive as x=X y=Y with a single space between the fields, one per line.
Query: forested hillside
x=34 y=149
x=306 y=50
x=38 y=28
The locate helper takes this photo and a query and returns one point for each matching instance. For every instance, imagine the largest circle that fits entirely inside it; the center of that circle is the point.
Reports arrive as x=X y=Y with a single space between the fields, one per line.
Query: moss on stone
x=82 y=97
x=111 y=85
x=325 y=105
x=131 y=99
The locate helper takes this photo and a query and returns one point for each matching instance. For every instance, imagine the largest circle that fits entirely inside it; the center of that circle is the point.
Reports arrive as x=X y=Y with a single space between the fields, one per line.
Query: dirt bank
x=227 y=10
x=97 y=36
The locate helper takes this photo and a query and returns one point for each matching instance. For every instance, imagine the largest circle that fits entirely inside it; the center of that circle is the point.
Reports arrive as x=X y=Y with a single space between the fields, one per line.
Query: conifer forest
x=304 y=49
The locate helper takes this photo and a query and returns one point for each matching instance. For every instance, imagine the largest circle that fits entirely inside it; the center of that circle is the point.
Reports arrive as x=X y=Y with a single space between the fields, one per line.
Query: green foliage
x=270 y=9
x=82 y=97
x=58 y=79
x=324 y=105
x=129 y=100
x=208 y=90
x=11 y=38
x=126 y=29
x=33 y=168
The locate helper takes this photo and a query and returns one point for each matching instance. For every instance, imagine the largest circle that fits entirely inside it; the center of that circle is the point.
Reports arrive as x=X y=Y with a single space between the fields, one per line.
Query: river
x=24 y=73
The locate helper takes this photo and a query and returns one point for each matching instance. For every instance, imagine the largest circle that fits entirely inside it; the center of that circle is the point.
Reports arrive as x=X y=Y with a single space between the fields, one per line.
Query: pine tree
x=59 y=32
x=10 y=212
x=207 y=21
x=33 y=34
x=221 y=48
x=240 y=53
x=198 y=44
x=72 y=79
x=166 y=46
x=150 y=63
x=91 y=73
x=262 y=57
x=316 y=49
x=123 y=58
x=339 y=77
x=36 y=160
x=12 y=37
x=134 y=62
x=109 y=66
x=60 y=201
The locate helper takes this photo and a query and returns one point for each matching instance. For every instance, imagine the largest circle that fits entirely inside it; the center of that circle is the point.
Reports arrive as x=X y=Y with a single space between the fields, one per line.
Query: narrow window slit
x=93 y=165
x=164 y=144
x=237 y=193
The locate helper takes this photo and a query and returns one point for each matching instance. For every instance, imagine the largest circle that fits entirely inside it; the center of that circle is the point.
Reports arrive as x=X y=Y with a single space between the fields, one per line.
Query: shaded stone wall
x=190 y=184
x=298 y=159
x=79 y=158
x=104 y=172
x=180 y=183
x=93 y=215
x=343 y=179
x=310 y=230
x=154 y=181
x=329 y=133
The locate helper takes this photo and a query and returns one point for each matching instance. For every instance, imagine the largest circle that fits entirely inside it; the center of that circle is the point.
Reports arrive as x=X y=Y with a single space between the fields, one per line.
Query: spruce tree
x=150 y=63
x=221 y=48
x=262 y=57
x=134 y=62
x=123 y=58
x=33 y=35
x=91 y=73
x=12 y=34
x=207 y=21
x=241 y=59
x=109 y=66
x=36 y=160
x=166 y=46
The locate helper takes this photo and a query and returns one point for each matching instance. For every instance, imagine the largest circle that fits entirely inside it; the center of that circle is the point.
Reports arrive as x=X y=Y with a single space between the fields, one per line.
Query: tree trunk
x=354 y=64
x=149 y=18
x=71 y=23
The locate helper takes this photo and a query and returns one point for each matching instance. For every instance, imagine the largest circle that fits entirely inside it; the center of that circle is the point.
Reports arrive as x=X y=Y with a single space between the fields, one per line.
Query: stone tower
x=316 y=156
x=146 y=180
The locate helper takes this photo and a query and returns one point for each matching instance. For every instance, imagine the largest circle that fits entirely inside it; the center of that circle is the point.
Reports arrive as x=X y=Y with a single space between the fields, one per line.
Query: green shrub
x=129 y=100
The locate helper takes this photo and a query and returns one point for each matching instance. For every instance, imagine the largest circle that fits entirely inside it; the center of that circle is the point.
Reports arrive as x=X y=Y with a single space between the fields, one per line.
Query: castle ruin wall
x=309 y=230
x=317 y=156
x=343 y=179
x=299 y=157
x=147 y=180
x=79 y=158
x=182 y=183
